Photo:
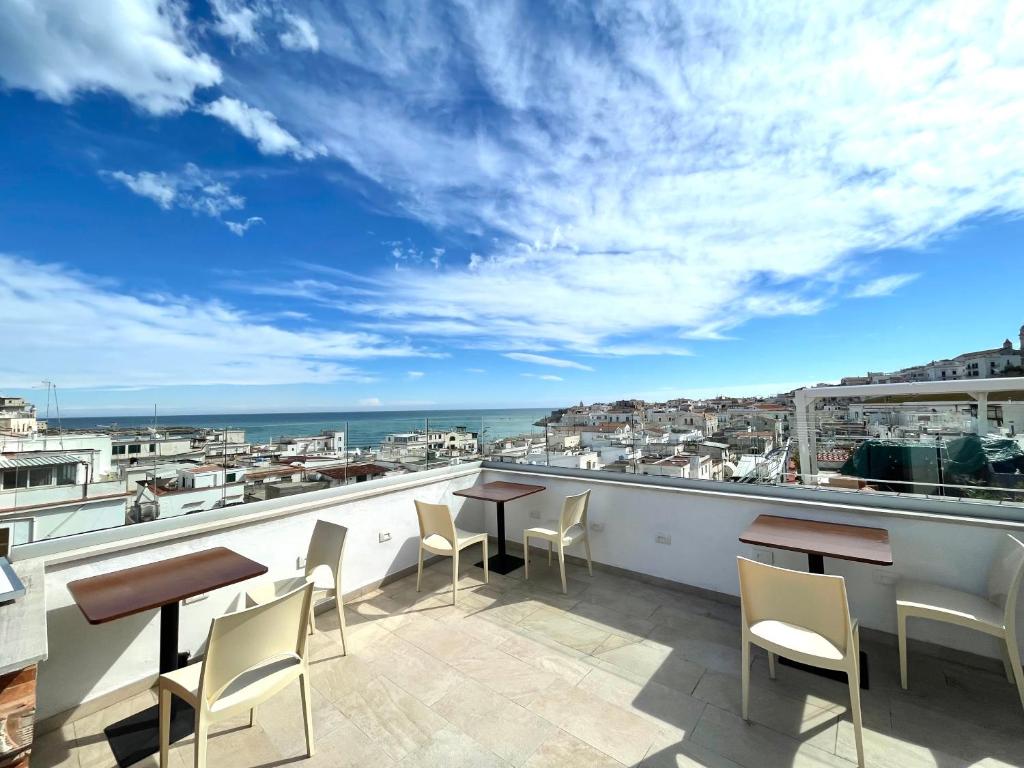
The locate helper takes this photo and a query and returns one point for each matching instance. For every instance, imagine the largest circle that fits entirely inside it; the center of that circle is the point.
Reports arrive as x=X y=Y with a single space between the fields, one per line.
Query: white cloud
x=259 y=126
x=415 y=374
x=542 y=377
x=236 y=20
x=241 y=227
x=140 y=49
x=526 y=357
x=299 y=34
x=192 y=189
x=370 y=402
x=62 y=326
x=660 y=171
x=475 y=370
x=882 y=286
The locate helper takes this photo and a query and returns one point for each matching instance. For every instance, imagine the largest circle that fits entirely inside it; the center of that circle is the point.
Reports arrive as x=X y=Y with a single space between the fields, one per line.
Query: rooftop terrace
x=637 y=665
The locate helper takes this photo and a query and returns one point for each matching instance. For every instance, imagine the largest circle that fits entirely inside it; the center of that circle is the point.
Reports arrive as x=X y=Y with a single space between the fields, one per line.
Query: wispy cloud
x=882 y=286
x=415 y=374
x=555 y=362
x=258 y=125
x=136 y=341
x=542 y=376
x=192 y=189
x=370 y=402
x=475 y=370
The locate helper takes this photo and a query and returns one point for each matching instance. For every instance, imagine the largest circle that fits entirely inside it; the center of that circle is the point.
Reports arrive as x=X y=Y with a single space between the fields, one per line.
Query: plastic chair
x=570 y=528
x=439 y=536
x=250 y=656
x=804 y=617
x=995 y=615
x=326 y=551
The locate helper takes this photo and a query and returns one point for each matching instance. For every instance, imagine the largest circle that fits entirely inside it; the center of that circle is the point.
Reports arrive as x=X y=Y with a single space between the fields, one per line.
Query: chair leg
x=311 y=629
x=745 y=677
x=901 y=631
x=561 y=567
x=252 y=717
x=165 y=726
x=419 y=569
x=586 y=545
x=487 y=574
x=201 y=737
x=1007 y=667
x=858 y=730
x=340 y=606
x=526 y=555
x=771 y=665
x=1014 y=653
x=455 y=576
x=307 y=712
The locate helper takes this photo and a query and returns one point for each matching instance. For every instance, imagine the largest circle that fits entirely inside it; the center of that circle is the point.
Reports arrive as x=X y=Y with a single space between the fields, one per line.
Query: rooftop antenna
x=56 y=404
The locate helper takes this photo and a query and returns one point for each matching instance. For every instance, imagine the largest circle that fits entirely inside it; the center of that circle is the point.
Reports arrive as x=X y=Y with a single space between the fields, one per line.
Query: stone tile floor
x=617 y=672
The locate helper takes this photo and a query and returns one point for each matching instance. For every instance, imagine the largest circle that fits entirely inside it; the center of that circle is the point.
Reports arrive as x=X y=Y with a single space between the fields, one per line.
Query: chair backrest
x=810 y=600
x=1004 y=577
x=326 y=547
x=574 y=511
x=436 y=519
x=240 y=641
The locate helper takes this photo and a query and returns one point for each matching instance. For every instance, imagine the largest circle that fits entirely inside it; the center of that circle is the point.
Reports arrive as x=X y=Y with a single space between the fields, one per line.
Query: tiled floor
x=616 y=673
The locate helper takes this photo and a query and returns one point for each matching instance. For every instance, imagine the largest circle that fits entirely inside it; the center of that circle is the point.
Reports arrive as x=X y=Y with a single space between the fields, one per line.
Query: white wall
x=705 y=530
x=87 y=661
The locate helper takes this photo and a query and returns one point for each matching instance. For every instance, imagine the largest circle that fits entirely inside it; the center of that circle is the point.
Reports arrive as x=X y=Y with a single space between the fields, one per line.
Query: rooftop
x=618 y=672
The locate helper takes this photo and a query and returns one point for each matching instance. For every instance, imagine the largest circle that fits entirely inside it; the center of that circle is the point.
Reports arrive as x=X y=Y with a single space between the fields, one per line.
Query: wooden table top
x=845 y=542
x=499 y=491
x=145 y=587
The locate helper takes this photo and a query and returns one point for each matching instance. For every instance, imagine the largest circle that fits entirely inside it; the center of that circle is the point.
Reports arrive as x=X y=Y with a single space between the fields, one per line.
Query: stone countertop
x=23 y=622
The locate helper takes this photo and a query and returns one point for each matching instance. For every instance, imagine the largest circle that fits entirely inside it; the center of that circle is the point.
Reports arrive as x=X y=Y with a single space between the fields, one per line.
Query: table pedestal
x=816 y=564
x=503 y=562
x=138 y=736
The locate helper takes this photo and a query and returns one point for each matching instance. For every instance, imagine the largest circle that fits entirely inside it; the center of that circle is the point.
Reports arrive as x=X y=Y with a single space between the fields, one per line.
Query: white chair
x=324 y=554
x=995 y=615
x=250 y=656
x=804 y=617
x=439 y=536
x=566 y=531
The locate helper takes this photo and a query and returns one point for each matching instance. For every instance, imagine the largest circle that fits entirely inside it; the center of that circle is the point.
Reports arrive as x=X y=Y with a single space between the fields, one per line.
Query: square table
x=820 y=540
x=499 y=492
x=162 y=585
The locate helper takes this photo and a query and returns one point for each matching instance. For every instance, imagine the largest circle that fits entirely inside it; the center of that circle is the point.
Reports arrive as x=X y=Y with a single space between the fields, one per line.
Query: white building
x=195 y=489
x=17 y=417
x=93 y=449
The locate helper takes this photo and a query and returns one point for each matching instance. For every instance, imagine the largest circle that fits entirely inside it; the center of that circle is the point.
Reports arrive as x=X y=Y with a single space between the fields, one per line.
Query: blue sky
x=259 y=205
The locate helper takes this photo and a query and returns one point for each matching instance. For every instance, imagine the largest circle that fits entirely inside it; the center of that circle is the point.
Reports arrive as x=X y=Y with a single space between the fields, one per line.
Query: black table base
x=502 y=563
x=137 y=737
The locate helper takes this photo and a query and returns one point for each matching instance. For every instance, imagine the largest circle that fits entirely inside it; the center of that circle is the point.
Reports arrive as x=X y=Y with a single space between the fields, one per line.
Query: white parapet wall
x=87 y=662
x=704 y=527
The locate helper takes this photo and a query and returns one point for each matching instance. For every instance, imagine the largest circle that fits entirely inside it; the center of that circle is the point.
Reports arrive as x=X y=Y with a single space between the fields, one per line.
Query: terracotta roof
x=353 y=470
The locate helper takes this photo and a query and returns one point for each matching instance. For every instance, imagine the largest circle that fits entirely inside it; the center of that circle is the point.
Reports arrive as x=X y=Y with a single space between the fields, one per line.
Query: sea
x=363 y=429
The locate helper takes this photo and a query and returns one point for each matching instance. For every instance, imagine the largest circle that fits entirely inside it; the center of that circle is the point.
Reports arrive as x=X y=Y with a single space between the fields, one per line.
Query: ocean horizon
x=363 y=428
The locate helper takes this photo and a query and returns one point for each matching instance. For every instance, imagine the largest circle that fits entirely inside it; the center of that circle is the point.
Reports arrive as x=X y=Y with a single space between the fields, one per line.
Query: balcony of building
x=638 y=664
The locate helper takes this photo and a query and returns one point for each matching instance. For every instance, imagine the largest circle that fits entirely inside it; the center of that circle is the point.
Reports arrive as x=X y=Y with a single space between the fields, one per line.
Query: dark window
x=134 y=449
x=230 y=478
x=67 y=474
x=14 y=478
x=40 y=476
x=152 y=447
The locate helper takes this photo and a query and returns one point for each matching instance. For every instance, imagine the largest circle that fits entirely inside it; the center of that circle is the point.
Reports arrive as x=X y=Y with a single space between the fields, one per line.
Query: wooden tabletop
x=145 y=587
x=499 y=491
x=845 y=542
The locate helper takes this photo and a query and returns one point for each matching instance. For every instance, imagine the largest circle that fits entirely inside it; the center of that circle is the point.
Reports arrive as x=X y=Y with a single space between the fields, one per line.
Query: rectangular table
x=499 y=492
x=163 y=584
x=819 y=540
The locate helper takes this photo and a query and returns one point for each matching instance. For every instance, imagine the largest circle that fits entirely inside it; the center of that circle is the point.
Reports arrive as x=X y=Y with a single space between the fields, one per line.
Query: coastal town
x=57 y=482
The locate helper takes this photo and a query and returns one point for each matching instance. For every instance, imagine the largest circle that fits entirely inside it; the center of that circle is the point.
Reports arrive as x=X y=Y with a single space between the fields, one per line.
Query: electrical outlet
x=764 y=556
x=882 y=577
x=195 y=598
x=300 y=563
x=663 y=538
x=597 y=527
x=535 y=514
x=384 y=536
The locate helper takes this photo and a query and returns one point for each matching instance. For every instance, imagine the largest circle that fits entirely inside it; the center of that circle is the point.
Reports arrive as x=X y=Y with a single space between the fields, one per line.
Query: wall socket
x=597 y=527
x=300 y=562
x=384 y=536
x=663 y=538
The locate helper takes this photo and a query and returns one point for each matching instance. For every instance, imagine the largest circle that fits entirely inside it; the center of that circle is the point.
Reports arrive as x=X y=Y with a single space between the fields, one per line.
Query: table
x=820 y=540
x=163 y=584
x=499 y=492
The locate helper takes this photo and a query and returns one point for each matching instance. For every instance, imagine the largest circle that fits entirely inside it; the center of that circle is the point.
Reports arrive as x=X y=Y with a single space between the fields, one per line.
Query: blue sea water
x=363 y=428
